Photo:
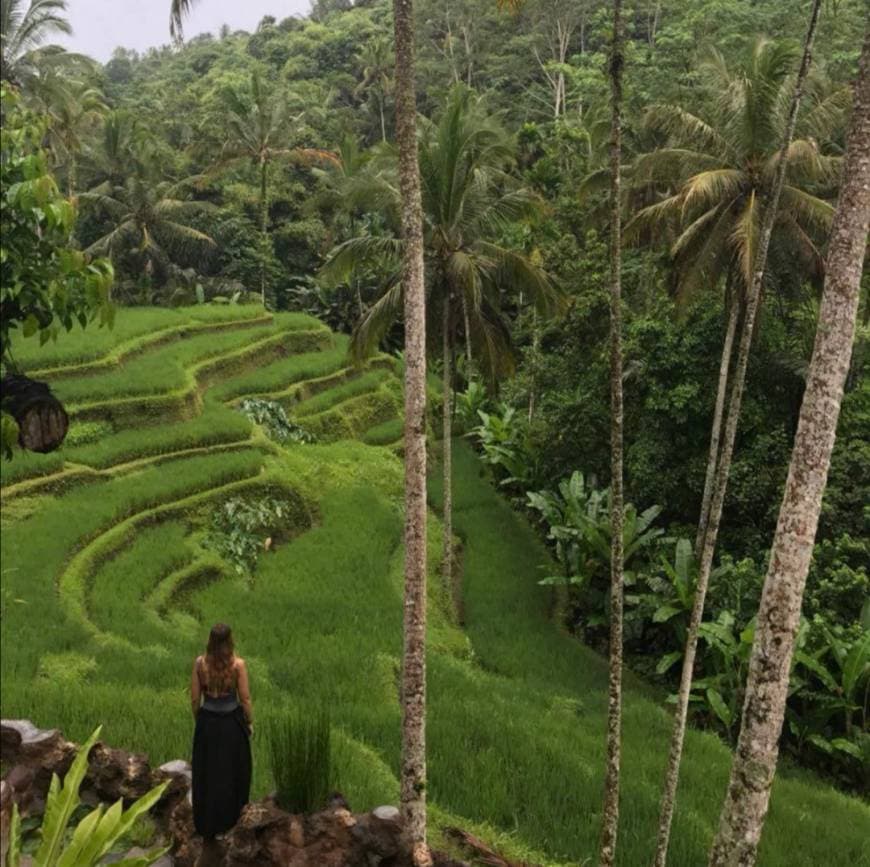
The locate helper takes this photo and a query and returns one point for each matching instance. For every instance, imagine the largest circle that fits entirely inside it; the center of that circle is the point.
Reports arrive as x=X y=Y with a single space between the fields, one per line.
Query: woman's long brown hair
x=219 y=658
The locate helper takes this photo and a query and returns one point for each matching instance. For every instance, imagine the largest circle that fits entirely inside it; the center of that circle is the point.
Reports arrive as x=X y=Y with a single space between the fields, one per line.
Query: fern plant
x=94 y=836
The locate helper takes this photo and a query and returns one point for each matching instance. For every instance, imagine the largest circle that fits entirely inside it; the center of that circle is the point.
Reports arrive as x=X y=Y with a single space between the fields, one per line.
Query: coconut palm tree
x=376 y=61
x=258 y=127
x=751 y=234
x=149 y=221
x=23 y=34
x=74 y=108
x=467 y=197
x=716 y=170
x=754 y=766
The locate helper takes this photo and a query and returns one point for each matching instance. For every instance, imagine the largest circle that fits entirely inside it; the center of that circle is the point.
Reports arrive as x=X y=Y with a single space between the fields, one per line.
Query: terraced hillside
x=108 y=591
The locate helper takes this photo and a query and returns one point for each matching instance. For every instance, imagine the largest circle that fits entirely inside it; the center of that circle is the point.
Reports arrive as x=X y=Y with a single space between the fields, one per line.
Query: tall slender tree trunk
x=413 y=760
x=721 y=391
x=469 y=357
x=610 y=812
x=536 y=353
x=447 y=450
x=383 y=121
x=264 y=225
x=721 y=482
x=754 y=765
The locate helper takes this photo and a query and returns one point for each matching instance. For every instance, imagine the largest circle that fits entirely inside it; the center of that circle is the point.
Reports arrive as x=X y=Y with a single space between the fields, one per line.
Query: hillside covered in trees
x=215 y=292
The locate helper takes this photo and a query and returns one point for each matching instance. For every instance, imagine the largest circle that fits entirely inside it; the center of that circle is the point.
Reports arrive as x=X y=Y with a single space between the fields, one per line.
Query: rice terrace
x=222 y=405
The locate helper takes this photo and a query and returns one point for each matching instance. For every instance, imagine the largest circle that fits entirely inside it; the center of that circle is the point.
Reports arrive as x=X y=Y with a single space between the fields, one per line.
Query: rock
x=118 y=774
x=180 y=776
x=187 y=847
x=387 y=813
x=40 y=752
x=21 y=742
x=296 y=835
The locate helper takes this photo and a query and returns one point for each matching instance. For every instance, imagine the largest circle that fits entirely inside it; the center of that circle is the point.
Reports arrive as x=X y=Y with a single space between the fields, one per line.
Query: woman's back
x=221 y=703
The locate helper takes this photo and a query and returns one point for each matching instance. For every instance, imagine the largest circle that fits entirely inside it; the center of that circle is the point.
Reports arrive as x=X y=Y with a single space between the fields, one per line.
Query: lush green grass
x=385 y=433
x=279 y=377
x=80 y=345
x=365 y=382
x=166 y=368
x=107 y=595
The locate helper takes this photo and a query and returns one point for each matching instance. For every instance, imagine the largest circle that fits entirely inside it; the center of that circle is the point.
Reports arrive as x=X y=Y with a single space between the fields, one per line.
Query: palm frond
x=178 y=10
x=376 y=321
x=706 y=189
x=357 y=253
x=810 y=212
x=685 y=129
x=671 y=165
x=744 y=237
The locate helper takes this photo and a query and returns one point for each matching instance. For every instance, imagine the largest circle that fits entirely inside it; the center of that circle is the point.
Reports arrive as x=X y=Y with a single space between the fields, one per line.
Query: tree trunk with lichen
x=708 y=546
x=716 y=430
x=610 y=811
x=754 y=765
x=447 y=451
x=264 y=225
x=413 y=759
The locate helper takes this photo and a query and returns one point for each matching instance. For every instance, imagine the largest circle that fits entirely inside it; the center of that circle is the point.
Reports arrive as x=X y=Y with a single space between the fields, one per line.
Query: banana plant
x=578 y=520
x=672 y=596
x=94 y=836
x=842 y=666
x=720 y=693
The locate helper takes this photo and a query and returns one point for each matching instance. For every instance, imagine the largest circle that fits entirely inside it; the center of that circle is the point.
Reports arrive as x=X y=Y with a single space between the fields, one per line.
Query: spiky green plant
x=301 y=759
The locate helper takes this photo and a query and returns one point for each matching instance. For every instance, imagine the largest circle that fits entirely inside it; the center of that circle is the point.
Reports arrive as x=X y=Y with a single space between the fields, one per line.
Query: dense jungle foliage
x=260 y=166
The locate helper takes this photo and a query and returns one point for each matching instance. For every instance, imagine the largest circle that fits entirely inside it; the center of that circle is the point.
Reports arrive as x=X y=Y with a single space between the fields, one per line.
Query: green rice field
x=108 y=593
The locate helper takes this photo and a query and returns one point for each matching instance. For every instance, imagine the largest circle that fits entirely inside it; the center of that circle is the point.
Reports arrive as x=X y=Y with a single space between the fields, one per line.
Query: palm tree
x=377 y=63
x=23 y=33
x=257 y=130
x=751 y=233
x=754 y=764
x=717 y=170
x=610 y=810
x=467 y=197
x=149 y=222
x=73 y=108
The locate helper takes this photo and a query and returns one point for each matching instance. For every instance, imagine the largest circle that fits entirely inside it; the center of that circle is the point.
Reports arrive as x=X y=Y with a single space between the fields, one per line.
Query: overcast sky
x=99 y=26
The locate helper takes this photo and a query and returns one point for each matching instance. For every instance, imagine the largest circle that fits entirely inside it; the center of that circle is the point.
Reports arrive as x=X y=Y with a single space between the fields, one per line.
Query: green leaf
x=13 y=856
x=717 y=703
x=61 y=803
x=845 y=746
x=85 y=833
x=822 y=743
x=668 y=660
x=664 y=613
x=856 y=665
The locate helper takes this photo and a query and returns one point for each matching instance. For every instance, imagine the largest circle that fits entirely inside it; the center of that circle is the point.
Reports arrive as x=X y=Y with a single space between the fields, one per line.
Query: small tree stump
x=42 y=420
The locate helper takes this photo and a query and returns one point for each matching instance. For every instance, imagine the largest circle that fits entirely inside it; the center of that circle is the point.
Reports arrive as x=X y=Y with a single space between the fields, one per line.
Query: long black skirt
x=221 y=770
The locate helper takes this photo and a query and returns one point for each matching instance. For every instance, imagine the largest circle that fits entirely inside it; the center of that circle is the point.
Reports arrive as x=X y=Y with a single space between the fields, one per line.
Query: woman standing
x=221 y=702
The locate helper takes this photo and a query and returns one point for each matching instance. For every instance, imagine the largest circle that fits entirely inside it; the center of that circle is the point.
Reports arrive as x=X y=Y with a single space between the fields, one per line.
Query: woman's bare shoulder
x=239 y=663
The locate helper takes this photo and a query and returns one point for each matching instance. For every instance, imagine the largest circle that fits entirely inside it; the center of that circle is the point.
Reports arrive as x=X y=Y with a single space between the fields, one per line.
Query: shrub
x=273 y=418
x=301 y=760
x=240 y=527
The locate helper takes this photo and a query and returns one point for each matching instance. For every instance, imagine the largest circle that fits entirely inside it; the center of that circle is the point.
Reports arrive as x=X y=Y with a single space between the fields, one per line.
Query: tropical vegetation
x=501 y=367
